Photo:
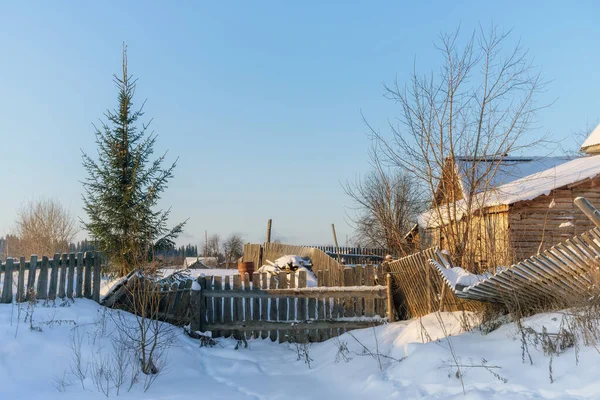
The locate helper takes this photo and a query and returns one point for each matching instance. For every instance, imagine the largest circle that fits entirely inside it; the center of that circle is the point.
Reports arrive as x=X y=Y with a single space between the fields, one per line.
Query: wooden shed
x=528 y=208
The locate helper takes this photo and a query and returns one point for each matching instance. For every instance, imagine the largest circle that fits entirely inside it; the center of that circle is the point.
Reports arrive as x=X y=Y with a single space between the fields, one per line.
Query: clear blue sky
x=261 y=101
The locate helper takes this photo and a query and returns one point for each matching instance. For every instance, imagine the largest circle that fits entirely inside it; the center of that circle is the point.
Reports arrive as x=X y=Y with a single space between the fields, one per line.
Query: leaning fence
x=64 y=276
x=419 y=289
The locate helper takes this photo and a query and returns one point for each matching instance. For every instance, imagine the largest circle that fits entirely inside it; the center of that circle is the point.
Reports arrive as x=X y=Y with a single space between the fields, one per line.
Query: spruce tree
x=124 y=185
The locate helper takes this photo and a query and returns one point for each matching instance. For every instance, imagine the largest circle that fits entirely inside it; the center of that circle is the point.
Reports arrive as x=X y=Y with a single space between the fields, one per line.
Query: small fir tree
x=124 y=185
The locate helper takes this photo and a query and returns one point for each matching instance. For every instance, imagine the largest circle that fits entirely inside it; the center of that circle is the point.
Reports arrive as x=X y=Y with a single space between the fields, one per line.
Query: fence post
x=87 y=277
x=390 y=298
x=7 y=293
x=21 y=281
x=96 y=278
x=198 y=306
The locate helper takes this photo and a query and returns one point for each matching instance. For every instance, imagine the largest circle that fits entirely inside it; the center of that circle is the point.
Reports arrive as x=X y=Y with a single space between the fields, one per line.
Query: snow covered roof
x=592 y=140
x=526 y=188
x=503 y=171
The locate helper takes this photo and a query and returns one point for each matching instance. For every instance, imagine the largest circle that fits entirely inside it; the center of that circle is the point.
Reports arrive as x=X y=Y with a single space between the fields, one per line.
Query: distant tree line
x=189 y=250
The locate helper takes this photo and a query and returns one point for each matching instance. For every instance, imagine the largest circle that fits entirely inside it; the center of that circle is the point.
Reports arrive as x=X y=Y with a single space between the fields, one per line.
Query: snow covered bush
x=291 y=265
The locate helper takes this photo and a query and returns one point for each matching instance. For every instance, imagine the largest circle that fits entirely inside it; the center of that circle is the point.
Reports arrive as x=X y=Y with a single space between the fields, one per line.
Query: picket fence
x=64 y=276
x=263 y=307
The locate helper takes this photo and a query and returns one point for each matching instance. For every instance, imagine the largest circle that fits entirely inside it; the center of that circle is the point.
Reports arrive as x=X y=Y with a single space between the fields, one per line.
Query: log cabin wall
x=538 y=221
x=488 y=243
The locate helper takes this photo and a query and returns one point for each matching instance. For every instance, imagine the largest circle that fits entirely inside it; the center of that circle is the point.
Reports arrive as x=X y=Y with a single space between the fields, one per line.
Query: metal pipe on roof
x=588 y=209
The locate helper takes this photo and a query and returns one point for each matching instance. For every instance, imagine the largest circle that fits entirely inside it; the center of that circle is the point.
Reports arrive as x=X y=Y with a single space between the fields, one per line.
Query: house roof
x=592 y=140
x=527 y=187
x=504 y=170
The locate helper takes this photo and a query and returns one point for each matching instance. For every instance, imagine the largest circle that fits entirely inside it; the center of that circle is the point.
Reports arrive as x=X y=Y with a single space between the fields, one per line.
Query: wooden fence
x=558 y=275
x=419 y=289
x=265 y=307
x=262 y=306
x=67 y=276
x=271 y=251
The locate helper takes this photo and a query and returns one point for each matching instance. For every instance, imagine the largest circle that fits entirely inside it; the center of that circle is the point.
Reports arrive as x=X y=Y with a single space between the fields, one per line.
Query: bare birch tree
x=479 y=107
x=43 y=227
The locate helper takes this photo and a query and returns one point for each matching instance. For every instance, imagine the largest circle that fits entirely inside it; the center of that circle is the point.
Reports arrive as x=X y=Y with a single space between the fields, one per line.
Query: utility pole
x=269 y=224
x=205 y=245
x=337 y=247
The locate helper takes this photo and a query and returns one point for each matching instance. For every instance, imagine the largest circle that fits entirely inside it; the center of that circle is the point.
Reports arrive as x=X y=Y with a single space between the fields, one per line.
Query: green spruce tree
x=124 y=185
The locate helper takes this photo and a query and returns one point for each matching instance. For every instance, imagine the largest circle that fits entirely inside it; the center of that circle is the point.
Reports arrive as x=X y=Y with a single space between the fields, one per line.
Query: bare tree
x=213 y=246
x=477 y=108
x=44 y=226
x=386 y=205
x=233 y=248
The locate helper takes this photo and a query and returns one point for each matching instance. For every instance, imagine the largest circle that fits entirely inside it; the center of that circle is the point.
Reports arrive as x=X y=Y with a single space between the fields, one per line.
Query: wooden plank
x=7 y=292
x=374 y=292
x=273 y=310
x=301 y=309
x=53 y=276
x=79 y=283
x=390 y=299
x=21 y=291
x=247 y=303
x=348 y=301
x=322 y=334
x=62 y=275
x=358 y=280
x=238 y=304
x=227 y=315
x=182 y=311
x=264 y=307
x=172 y=297
x=283 y=305
x=31 y=276
x=198 y=307
x=369 y=281
x=208 y=303
x=298 y=326
x=87 y=279
x=96 y=279
x=218 y=305
x=71 y=278
x=256 y=302
x=42 y=283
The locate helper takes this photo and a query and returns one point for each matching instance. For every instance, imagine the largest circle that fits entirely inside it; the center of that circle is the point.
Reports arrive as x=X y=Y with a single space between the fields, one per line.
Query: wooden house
x=526 y=208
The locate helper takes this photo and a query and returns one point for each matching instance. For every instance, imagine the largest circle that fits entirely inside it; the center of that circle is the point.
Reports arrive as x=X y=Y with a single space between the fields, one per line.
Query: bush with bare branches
x=43 y=226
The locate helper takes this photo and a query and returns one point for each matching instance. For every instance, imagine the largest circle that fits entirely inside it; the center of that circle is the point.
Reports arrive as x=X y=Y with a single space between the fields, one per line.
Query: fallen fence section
x=557 y=274
x=67 y=276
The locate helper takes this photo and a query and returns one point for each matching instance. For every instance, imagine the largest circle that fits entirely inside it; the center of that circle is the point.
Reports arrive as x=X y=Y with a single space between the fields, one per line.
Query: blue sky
x=261 y=101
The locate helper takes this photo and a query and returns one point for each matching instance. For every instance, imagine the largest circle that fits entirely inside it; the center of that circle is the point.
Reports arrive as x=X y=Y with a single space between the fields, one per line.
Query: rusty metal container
x=246 y=267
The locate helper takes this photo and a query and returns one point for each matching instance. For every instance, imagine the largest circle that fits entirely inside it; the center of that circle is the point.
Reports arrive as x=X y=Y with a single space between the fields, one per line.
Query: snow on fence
x=419 y=289
x=557 y=274
x=70 y=275
x=321 y=261
x=260 y=306
x=263 y=307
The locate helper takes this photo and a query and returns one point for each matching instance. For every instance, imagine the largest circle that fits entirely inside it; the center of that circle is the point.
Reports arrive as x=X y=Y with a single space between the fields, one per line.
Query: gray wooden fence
x=263 y=307
x=63 y=276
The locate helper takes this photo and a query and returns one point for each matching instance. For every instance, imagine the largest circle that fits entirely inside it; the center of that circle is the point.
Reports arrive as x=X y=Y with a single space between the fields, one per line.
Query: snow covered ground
x=36 y=364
